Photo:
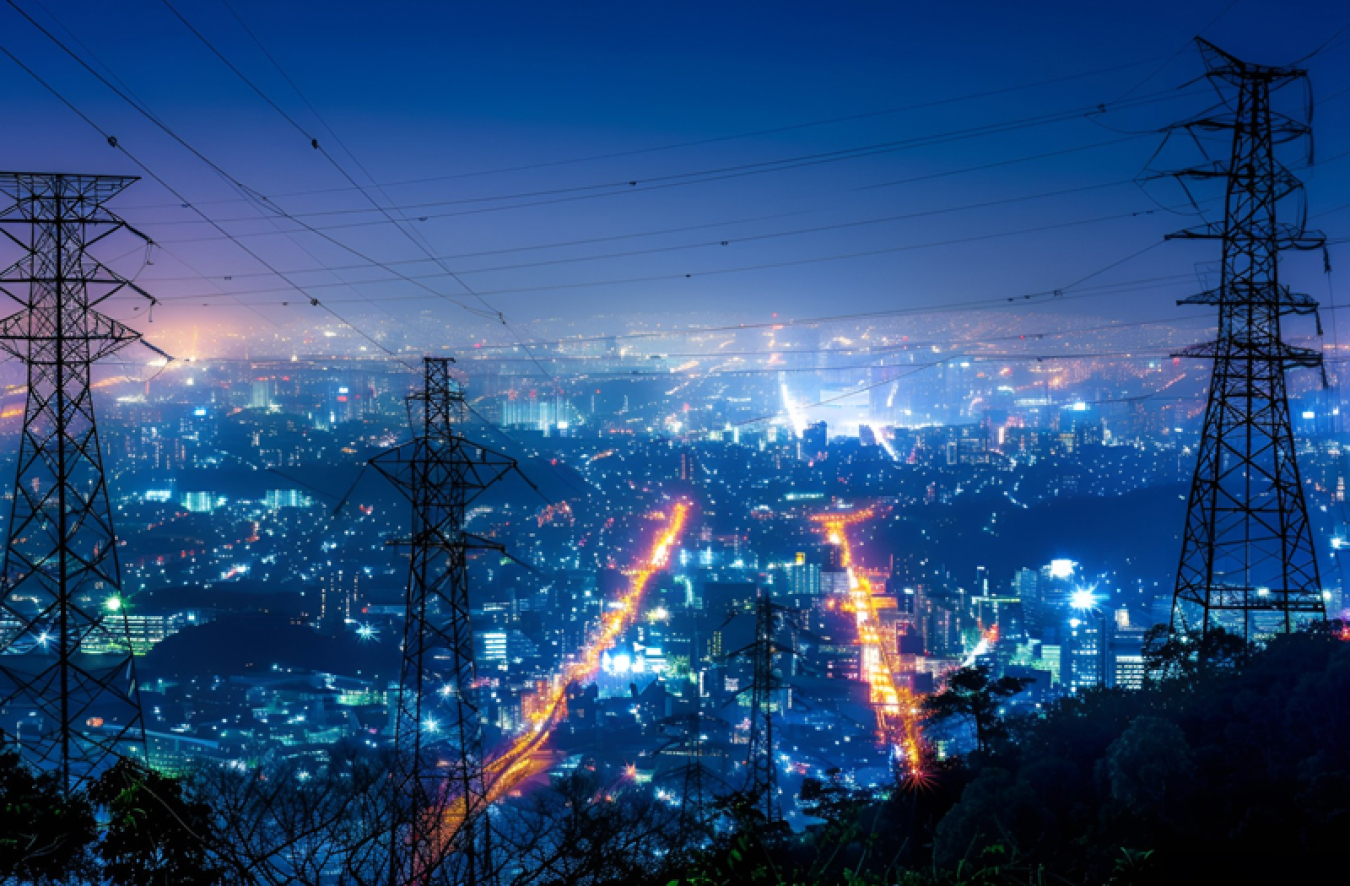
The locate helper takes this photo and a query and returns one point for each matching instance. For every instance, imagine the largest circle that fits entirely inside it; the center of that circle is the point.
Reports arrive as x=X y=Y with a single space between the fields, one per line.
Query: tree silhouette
x=154 y=836
x=45 y=833
x=973 y=693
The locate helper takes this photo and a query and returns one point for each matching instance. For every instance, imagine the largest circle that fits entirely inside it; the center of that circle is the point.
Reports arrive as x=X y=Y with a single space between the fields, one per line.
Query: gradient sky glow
x=512 y=126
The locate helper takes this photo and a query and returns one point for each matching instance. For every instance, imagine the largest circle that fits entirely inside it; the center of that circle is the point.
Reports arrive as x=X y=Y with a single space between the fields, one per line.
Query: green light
x=113 y=604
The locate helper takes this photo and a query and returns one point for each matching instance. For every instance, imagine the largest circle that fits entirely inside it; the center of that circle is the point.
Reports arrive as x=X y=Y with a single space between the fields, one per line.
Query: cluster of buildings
x=264 y=600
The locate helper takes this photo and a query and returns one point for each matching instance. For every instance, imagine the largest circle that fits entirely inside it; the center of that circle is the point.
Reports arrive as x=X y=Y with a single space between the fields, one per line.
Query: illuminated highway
x=898 y=715
x=525 y=756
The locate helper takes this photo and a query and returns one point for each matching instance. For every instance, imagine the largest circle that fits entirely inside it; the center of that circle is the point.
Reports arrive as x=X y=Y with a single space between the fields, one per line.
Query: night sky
x=499 y=129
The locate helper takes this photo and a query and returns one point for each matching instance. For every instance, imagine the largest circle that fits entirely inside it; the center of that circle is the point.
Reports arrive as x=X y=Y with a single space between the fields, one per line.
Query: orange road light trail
x=897 y=707
x=520 y=758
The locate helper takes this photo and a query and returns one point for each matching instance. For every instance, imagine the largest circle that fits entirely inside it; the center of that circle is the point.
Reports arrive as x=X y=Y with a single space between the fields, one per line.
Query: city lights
x=515 y=762
x=1062 y=568
x=895 y=704
x=724 y=507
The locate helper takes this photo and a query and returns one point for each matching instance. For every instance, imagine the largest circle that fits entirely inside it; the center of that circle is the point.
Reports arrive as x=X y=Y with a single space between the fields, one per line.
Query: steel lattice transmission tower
x=440 y=793
x=68 y=688
x=696 y=778
x=761 y=779
x=1247 y=561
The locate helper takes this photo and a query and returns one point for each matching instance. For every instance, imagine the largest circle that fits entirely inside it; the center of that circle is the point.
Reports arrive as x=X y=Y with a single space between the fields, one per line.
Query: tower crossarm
x=1288 y=356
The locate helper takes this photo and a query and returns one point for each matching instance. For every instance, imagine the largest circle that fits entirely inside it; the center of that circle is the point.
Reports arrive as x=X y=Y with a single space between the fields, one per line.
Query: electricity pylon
x=440 y=795
x=689 y=740
x=1248 y=562
x=68 y=688
x=761 y=779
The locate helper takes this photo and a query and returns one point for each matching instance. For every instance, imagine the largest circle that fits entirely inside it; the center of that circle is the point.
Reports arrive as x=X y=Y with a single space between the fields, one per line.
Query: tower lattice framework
x=766 y=683
x=68 y=692
x=1248 y=562
x=440 y=796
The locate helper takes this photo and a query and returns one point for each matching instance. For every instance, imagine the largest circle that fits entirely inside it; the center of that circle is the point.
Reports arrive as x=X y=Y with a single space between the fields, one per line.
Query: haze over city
x=688 y=443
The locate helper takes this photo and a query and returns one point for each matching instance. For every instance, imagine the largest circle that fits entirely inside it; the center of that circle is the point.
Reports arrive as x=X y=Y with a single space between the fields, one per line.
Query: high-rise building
x=261 y=394
x=804 y=577
x=492 y=646
x=1087 y=639
x=1127 y=653
x=1026 y=587
x=815 y=441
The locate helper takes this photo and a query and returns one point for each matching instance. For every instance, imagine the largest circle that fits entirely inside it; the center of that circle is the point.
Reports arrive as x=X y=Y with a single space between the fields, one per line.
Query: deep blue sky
x=459 y=91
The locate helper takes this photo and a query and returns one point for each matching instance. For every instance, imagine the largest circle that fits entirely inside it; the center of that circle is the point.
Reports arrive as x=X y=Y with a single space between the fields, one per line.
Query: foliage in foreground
x=1231 y=767
x=130 y=827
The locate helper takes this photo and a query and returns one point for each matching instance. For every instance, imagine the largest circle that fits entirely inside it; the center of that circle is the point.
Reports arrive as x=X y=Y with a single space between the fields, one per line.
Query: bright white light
x=1082 y=599
x=113 y=604
x=1061 y=568
x=796 y=415
x=366 y=632
x=430 y=725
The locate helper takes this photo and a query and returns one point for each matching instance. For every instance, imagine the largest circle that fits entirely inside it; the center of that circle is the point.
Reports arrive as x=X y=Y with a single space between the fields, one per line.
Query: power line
x=665 y=182
x=113 y=142
x=755 y=238
x=685 y=144
x=261 y=199
x=753 y=267
x=1180 y=49
x=881 y=349
x=240 y=74
x=314 y=142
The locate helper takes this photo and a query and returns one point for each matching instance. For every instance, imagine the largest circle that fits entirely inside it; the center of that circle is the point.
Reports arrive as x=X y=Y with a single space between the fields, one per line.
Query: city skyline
x=526 y=465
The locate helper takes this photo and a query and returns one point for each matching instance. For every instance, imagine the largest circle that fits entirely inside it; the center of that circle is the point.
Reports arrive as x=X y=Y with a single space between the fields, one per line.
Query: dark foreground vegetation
x=1232 y=765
